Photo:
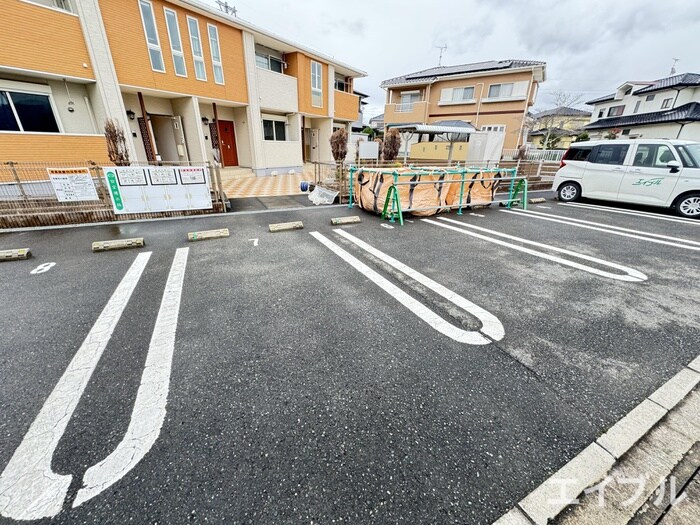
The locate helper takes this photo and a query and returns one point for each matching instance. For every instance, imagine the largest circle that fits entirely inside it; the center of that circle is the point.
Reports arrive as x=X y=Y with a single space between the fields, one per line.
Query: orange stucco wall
x=299 y=66
x=131 y=59
x=346 y=105
x=49 y=147
x=41 y=39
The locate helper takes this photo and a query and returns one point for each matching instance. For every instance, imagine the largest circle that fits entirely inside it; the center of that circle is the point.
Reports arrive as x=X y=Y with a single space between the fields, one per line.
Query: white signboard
x=158 y=188
x=72 y=184
x=369 y=150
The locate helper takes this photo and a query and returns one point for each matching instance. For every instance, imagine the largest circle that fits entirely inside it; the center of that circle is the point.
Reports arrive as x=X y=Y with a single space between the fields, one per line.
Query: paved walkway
x=268 y=186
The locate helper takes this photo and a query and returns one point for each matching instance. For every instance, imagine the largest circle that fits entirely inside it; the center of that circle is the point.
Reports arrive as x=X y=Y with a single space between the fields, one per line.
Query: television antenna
x=228 y=9
x=673 y=66
x=442 y=50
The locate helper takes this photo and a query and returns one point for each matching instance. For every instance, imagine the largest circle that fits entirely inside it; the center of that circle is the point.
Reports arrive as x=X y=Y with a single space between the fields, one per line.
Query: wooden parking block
x=15 y=254
x=208 y=234
x=286 y=226
x=118 y=244
x=338 y=221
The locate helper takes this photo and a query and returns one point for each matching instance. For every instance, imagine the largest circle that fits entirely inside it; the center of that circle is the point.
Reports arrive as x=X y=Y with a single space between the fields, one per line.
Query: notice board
x=72 y=184
x=144 y=189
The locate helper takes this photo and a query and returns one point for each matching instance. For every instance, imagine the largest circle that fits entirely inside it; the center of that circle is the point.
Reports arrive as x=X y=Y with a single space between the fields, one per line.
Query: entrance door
x=227 y=142
x=314 y=153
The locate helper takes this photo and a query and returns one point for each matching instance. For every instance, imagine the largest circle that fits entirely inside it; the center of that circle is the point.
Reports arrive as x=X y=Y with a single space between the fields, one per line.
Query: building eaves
x=683 y=80
x=605 y=98
x=426 y=76
x=686 y=113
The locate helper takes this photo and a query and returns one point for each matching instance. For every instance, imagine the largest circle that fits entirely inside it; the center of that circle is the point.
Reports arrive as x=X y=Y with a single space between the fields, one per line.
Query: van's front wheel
x=569 y=192
x=689 y=206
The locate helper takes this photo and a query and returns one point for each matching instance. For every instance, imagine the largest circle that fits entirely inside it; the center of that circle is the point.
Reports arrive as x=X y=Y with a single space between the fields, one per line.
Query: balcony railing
x=406 y=107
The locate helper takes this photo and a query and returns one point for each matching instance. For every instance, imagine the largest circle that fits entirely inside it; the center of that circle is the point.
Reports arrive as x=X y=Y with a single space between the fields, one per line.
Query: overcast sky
x=590 y=46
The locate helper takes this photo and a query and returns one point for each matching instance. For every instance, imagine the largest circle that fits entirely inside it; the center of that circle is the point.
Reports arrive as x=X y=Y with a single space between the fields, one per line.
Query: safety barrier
x=467 y=176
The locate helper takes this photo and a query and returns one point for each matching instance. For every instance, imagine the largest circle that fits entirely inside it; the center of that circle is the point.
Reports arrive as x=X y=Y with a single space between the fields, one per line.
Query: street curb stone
x=626 y=432
x=676 y=388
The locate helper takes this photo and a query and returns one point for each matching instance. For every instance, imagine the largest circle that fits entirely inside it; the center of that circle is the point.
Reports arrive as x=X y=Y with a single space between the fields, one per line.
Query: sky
x=590 y=46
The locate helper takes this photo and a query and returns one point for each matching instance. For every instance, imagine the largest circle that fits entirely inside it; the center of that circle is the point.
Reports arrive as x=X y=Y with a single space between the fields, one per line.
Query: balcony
x=405 y=113
x=346 y=106
x=278 y=92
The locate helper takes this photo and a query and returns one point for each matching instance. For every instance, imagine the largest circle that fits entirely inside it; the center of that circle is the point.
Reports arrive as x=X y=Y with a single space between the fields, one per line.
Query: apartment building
x=492 y=96
x=664 y=108
x=186 y=82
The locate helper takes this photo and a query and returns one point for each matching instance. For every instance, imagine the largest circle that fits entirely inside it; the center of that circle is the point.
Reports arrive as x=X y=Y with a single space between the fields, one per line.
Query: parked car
x=655 y=172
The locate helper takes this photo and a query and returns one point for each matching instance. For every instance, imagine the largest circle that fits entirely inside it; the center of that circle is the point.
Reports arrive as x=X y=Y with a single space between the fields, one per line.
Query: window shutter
x=446 y=95
x=520 y=88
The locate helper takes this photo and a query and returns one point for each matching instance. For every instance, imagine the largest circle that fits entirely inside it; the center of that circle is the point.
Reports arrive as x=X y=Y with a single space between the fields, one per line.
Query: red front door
x=227 y=142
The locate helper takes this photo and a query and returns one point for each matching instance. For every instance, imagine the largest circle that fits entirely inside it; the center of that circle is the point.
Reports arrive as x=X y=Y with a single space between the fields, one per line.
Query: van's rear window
x=578 y=154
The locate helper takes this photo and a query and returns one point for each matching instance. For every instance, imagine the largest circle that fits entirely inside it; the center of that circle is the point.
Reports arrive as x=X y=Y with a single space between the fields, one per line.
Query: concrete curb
x=338 y=221
x=592 y=464
x=15 y=254
x=208 y=234
x=119 y=244
x=286 y=226
x=538 y=200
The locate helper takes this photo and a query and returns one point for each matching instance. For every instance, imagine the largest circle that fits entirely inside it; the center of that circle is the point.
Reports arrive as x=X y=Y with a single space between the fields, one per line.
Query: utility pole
x=442 y=49
x=228 y=9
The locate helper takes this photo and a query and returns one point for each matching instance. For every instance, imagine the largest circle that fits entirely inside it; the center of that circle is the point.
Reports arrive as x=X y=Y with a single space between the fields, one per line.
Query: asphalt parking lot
x=371 y=373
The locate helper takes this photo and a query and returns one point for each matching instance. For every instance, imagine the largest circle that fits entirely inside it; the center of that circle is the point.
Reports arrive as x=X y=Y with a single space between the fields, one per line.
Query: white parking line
x=149 y=408
x=630 y=274
x=29 y=489
x=692 y=222
x=615 y=230
x=491 y=326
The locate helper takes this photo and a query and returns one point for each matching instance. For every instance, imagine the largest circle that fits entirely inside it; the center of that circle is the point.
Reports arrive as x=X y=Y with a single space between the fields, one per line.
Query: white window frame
x=54 y=6
x=269 y=58
x=174 y=52
x=520 y=90
x=8 y=87
x=317 y=90
x=447 y=96
x=500 y=128
x=157 y=46
x=196 y=58
x=275 y=118
x=215 y=63
x=667 y=106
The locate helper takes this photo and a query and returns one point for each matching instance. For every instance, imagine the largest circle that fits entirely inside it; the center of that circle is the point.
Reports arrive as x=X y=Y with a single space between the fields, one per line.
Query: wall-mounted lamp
x=130 y=114
x=205 y=120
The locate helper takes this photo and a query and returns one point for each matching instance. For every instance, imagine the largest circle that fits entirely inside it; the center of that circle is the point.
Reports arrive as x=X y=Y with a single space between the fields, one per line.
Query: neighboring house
x=665 y=108
x=377 y=122
x=492 y=96
x=358 y=125
x=182 y=79
x=562 y=123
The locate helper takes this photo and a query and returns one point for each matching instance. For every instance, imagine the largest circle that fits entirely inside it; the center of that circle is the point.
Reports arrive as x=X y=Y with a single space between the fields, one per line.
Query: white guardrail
x=547 y=155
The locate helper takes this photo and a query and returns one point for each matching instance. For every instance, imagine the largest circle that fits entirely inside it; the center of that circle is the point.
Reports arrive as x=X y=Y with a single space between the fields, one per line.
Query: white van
x=655 y=172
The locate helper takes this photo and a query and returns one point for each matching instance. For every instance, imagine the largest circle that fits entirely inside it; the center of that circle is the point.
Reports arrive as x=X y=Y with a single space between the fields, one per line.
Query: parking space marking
x=415 y=306
x=630 y=274
x=29 y=489
x=43 y=268
x=149 y=408
x=491 y=326
x=615 y=230
x=254 y=241
x=477 y=215
x=610 y=209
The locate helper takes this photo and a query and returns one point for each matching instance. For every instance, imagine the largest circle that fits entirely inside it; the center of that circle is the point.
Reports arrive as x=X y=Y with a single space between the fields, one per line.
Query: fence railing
x=546 y=155
x=28 y=197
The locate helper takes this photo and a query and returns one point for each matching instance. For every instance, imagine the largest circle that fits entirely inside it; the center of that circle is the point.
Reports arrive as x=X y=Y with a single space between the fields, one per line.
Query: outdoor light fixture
x=205 y=120
x=130 y=114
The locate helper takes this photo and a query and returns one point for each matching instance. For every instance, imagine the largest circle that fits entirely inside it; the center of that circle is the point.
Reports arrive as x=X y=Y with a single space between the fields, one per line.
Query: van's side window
x=653 y=156
x=580 y=154
x=609 y=154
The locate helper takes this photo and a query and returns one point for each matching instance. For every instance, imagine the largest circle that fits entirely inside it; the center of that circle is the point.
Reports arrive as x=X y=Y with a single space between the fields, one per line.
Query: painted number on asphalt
x=43 y=268
x=254 y=241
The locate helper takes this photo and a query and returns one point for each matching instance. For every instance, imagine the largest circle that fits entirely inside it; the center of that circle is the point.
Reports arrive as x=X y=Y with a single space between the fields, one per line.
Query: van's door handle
x=617 y=169
x=637 y=170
